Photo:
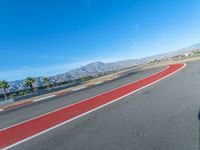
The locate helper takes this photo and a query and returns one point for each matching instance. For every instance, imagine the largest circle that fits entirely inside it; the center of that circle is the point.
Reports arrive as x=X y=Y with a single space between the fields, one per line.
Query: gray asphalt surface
x=160 y=117
x=13 y=116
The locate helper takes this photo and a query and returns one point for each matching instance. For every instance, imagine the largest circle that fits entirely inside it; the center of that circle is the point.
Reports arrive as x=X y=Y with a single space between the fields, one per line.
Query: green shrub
x=13 y=95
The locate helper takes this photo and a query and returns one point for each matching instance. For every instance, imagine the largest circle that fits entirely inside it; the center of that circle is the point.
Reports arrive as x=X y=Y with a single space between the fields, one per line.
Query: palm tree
x=46 y=82
x=4 y=85
x=29 y=82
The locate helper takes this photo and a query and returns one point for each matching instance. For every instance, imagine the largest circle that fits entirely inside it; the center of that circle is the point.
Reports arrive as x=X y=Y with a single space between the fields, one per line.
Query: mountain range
x=96 y=68
x=92 y=69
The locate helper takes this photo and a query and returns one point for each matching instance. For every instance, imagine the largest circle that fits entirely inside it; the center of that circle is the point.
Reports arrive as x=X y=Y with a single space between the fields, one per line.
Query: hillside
x=96 y=68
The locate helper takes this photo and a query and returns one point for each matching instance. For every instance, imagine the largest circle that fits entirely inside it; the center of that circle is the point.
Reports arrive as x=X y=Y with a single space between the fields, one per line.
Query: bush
x=22 y=93
x=13 y=95
x=27 y=92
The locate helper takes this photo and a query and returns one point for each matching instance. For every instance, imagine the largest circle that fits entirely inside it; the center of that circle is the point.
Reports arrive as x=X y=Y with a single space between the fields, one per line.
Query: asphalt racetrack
x=160 y=116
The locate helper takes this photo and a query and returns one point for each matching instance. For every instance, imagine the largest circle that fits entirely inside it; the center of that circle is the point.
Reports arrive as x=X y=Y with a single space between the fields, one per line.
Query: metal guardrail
x=4 y=102
x=54 y=89
x=44 y=91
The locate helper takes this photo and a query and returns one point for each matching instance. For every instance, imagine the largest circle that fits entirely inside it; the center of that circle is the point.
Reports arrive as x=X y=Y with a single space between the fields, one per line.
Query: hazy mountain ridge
x=174 y=53
x=96 y=68
x=92 y=69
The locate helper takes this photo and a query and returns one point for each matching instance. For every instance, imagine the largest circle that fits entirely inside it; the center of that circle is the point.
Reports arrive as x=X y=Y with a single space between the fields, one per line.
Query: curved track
x=29 y=129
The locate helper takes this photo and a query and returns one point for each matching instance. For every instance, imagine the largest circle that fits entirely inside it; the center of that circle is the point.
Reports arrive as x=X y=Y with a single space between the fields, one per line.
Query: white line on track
x=31 y=137
x=79 y=101
x=84 y=100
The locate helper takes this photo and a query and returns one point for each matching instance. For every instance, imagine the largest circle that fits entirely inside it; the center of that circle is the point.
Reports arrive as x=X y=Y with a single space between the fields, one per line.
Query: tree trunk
x=32 y=89
x=48 y=86
x=5 y=95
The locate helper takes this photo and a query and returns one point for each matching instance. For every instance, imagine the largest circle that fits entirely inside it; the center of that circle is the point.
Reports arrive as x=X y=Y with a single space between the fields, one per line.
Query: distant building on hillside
x=177 y=57
x=189 y=53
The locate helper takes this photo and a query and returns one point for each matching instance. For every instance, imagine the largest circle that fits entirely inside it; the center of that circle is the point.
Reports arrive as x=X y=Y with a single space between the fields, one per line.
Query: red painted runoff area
x=24 y=130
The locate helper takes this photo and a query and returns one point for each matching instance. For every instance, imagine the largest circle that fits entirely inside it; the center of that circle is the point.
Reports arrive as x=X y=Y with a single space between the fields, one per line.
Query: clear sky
x=47 y=37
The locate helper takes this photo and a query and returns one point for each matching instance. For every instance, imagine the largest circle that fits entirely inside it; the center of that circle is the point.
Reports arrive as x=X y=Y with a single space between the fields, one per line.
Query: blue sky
x=43 y=38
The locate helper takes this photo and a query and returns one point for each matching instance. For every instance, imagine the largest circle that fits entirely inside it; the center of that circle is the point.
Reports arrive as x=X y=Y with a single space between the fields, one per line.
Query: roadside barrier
x=4 y=102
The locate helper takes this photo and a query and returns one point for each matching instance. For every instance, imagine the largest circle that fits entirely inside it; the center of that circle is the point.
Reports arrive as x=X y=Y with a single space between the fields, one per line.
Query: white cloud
x=137 y=27
x=25 y=67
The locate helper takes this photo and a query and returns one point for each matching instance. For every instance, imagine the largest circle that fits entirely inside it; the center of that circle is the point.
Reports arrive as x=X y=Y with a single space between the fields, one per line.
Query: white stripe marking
x=78 y=88
x=99 y=82
x=43 y=98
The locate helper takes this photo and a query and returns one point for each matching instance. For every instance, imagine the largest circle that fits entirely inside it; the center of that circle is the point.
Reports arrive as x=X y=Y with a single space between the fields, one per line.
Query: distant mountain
x=92 y=69
x=173 y=53
x=196 y=46
x=96 y=68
